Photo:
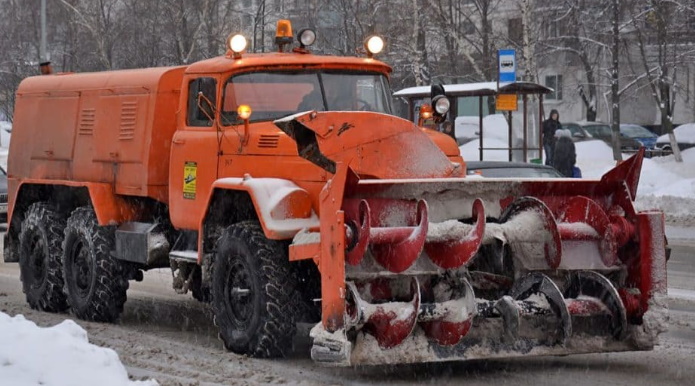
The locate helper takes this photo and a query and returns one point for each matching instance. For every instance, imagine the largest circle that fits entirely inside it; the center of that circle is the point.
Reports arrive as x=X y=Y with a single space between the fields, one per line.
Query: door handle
x=179 y=141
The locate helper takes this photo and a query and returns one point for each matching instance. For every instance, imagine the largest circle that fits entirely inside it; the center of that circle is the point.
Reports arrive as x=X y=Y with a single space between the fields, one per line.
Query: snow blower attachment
x=437 y=269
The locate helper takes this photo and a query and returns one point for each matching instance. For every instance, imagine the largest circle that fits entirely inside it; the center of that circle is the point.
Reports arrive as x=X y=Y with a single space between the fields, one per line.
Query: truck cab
x=214 y=141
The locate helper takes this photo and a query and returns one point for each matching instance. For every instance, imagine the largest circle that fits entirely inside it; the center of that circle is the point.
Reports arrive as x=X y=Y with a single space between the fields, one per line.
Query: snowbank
x=56 y=356
x=664 y=183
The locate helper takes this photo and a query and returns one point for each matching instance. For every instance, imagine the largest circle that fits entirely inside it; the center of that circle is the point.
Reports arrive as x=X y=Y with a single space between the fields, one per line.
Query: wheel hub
x=37 y=261
x=83 y=270
x=240 y=296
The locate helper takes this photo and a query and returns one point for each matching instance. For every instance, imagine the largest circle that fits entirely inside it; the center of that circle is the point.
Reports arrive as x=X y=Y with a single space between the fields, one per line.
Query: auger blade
x=447 y=321
x=448 y=252
x=538 y=283
x=589 y=292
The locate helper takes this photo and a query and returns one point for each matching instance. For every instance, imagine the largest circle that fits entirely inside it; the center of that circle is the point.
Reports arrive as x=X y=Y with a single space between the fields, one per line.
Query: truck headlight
x=441 y=104
x=237 y=44
x=374 y=45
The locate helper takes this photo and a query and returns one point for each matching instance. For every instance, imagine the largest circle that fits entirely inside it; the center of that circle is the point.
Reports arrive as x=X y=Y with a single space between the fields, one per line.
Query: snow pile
x=494 y=126
x=664 y=183
x=495 y=135
x=684 y=134
x=58 y=355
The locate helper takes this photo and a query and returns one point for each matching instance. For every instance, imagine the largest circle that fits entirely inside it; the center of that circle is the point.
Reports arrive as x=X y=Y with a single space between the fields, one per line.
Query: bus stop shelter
x=415 y=96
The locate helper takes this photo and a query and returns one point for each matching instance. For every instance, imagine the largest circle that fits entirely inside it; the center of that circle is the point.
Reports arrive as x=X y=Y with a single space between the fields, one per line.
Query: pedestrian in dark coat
x=550 y=126
x=565 y=154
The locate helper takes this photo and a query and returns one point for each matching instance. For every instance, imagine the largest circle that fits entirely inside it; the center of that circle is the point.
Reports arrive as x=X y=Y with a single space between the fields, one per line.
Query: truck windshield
x=273 y=95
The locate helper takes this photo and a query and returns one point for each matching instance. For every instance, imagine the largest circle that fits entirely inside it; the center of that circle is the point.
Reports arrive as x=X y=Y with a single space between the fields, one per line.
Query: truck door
x=194 y=153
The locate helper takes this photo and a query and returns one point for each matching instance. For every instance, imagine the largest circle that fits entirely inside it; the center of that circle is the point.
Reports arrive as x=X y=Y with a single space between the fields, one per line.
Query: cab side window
x=199 y=113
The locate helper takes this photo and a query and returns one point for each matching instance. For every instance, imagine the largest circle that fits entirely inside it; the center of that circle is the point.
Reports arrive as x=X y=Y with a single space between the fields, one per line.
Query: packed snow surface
x=56 y=356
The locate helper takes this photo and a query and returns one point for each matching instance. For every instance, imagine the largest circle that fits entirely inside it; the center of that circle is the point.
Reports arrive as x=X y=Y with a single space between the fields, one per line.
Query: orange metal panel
x=277 y=60
x=110 y=127
x=110 y=208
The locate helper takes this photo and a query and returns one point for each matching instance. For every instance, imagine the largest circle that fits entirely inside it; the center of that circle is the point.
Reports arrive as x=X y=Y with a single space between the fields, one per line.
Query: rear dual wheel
x=40 y=253
x=95 y=281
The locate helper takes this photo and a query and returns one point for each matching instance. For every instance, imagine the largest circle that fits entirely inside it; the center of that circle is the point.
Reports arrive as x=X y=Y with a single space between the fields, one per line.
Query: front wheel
x=252 y=292
x=95 y=281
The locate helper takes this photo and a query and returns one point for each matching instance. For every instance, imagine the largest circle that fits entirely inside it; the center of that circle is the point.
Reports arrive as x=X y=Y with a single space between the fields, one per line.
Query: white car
x=685 y=137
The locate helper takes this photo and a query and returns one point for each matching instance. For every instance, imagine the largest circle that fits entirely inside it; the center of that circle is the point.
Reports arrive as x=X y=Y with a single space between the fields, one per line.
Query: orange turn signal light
x=244 y=111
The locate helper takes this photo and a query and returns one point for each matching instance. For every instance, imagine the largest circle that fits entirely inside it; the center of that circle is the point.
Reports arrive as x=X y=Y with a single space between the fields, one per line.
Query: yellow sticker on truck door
x=190 y=174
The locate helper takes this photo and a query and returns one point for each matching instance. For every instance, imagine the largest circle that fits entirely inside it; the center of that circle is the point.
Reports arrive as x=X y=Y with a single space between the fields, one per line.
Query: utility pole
x=43 y=55
x=615 y=97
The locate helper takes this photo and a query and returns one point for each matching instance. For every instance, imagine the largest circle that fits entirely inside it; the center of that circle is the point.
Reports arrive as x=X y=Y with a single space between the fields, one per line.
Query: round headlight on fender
x=441 y=104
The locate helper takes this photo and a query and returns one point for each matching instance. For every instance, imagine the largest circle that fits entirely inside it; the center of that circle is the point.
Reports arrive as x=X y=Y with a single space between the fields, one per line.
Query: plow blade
x=450 y=269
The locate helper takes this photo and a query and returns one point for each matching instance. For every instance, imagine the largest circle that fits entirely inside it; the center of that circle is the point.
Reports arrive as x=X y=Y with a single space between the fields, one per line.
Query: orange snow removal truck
x=280 y=188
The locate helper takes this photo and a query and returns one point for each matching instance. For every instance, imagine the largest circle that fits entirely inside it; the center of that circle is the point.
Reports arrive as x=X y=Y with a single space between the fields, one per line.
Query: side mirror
x=578 y=135
x=206 y=107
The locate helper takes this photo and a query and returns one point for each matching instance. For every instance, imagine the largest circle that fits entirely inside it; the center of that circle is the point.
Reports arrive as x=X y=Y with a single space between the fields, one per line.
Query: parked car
x=602 y=131
x=503 y=169
x=3 y=195
x=685 y=137
x=639 y=133
x=578 y=132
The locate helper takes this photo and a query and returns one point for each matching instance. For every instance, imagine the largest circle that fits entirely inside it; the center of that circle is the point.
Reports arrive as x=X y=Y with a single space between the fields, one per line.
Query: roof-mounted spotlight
x=306 y=37
x=237 y=44
x=373 y=45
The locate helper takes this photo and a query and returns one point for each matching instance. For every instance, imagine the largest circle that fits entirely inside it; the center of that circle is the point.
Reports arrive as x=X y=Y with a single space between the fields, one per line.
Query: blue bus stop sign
x=506 y=65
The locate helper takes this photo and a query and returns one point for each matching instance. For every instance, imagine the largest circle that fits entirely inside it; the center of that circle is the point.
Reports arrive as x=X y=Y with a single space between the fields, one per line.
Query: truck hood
x=374 y=145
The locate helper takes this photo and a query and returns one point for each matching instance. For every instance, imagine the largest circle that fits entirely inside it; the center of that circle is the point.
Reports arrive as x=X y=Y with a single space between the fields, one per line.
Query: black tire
x=95 y=282
x=260 y=322
x=40 y=253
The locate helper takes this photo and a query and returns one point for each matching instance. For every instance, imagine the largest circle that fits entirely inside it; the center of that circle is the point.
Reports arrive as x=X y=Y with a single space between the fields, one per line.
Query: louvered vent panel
x=86 y=126
x=268 y=141
x=129 y=112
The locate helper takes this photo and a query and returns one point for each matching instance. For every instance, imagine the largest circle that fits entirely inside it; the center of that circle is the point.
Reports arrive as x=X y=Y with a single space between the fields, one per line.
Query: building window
x=552 y=30
x=515 y=30
x=554 y=82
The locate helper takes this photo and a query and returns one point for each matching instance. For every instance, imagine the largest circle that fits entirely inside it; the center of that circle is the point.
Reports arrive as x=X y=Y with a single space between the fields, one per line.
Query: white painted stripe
x=681 y=293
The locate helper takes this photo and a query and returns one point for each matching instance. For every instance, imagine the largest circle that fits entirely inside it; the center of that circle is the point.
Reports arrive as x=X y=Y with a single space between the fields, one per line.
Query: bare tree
x=101 y=18
x=580 y=30
x=659 y=32
x=469 y=40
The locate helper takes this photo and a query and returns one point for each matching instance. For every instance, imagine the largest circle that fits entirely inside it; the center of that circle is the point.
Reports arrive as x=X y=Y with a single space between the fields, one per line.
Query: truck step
x=187 y=256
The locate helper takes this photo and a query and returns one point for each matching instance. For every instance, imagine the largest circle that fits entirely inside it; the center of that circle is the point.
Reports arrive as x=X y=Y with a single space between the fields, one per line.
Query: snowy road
x=171 y=337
